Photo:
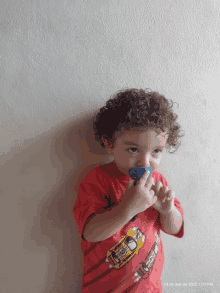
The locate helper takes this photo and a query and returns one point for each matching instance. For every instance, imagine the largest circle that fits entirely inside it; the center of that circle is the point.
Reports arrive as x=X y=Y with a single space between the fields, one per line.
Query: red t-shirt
x=132 y=259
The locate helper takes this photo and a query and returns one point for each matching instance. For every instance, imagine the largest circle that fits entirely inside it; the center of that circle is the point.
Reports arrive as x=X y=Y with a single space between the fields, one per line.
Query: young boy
x=120 y=222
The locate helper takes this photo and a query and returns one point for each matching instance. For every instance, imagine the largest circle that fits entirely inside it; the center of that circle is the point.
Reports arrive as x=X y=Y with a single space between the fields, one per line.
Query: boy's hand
x=165 y=198
x=139 y=197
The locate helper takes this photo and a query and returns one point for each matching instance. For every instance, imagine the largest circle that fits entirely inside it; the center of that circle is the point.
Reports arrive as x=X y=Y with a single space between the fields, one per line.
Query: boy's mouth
x=137 y=173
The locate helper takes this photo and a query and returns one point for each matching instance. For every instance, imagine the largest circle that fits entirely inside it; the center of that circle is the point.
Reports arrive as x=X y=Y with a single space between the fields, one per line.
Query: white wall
x=60 y=61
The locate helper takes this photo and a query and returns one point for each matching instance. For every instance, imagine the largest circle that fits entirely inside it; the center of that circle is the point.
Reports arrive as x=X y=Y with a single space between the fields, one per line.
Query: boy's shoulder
x=109 y=169
x=97 y=173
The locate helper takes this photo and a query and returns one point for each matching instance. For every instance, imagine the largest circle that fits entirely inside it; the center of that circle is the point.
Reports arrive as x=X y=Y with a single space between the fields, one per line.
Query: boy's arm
x=172 y=221
x=136 y=199
x=170 y=217
x=104 y=225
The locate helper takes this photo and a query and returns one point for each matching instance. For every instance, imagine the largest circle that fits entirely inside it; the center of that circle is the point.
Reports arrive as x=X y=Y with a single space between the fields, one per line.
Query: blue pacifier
x=137 y=173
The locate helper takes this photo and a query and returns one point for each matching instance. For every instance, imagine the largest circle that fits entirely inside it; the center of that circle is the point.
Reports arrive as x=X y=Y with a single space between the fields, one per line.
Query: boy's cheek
x=156 y=164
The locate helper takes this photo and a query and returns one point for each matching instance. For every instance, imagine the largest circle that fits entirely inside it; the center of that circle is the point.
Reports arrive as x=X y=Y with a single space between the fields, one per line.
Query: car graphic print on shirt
x=126 y=248
x=148 y=263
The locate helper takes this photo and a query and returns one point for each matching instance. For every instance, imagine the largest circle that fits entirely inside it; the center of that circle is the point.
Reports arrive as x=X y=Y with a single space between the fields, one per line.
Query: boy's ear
x=108 y=145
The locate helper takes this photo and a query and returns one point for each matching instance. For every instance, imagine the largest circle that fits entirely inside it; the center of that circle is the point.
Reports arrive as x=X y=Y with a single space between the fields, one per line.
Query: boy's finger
x=173 y=194
x=165 y=189
x=170 y=195
x=144 y=177
x=157 y=186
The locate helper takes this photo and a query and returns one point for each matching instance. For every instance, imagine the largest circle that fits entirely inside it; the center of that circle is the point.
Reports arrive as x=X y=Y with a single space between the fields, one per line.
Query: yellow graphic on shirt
x=126 y=248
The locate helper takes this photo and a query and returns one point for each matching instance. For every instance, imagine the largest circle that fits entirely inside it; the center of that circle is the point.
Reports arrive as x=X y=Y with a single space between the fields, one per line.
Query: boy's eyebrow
x=132 y=143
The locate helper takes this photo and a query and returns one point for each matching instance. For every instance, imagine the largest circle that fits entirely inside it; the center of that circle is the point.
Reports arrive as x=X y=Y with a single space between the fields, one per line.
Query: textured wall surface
x=60 y=62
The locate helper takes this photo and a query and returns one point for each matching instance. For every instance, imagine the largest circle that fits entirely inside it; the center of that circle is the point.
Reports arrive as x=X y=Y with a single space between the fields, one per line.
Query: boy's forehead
x=142 y=136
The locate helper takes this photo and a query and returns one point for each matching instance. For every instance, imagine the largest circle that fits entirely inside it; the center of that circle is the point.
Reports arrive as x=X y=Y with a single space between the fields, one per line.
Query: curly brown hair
x=137 y=108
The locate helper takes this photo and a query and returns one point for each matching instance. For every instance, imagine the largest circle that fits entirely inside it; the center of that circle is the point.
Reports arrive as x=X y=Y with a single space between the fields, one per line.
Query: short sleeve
x=177 y=205
x=92 y=197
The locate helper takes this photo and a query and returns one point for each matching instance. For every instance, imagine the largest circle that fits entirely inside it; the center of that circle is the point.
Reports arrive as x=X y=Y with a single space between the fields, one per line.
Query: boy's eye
x=133 y=150
x=157 y=151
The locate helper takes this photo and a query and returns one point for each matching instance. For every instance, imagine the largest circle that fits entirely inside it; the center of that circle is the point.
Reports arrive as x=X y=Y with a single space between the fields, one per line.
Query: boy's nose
x=144 y=161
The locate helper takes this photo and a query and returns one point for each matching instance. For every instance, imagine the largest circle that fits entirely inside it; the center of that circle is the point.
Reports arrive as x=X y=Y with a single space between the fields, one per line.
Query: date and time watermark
x=191 y=284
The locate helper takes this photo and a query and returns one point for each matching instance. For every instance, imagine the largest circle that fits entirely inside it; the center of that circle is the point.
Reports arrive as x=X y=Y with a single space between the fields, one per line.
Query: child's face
x=135 y=148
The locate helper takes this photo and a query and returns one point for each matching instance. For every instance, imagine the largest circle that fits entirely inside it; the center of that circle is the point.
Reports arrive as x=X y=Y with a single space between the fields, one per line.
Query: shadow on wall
x=92 y=154
x=72 y=151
